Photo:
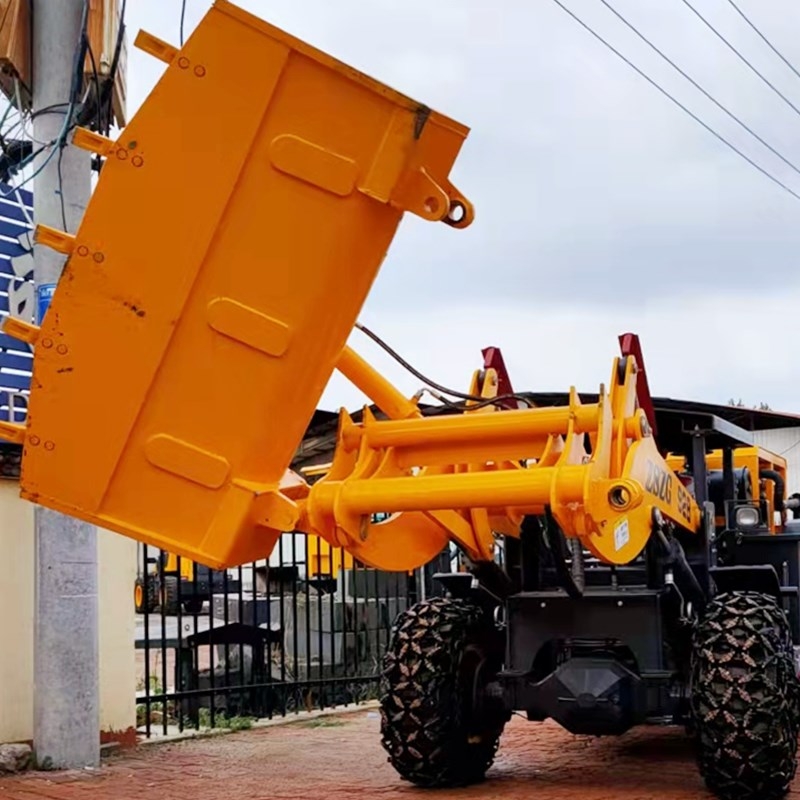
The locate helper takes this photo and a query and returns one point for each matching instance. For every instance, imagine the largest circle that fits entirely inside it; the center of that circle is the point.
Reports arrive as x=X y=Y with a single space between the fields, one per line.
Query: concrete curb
x=303 y=716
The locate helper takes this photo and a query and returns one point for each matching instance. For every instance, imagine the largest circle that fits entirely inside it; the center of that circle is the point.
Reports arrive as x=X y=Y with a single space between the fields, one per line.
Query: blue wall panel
x=13 y=224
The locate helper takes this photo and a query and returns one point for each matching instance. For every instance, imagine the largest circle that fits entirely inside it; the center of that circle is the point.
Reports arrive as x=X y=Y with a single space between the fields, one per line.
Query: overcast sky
x=600 y=206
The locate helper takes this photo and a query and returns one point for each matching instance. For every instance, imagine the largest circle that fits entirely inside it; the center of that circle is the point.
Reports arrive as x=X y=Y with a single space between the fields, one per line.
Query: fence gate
x=301 y=630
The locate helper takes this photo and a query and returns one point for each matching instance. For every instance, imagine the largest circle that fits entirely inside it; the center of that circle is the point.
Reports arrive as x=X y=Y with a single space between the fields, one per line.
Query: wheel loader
x=649 y=574
x=178 y=583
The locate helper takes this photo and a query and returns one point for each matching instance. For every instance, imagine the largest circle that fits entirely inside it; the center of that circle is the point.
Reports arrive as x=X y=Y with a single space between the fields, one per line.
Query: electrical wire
x=51 y=109
x=677 y=102
x=28 y=218
x=77 y=79
x=476 y=404
x=105 y=102
x=764 y=38
x=84 y=46
x=8 y=131
x=742 y=58
x=183 y=19
x=698 y=86
x=479 y=401
x=25 y=132
x=61 y=188
x=29 y=159
x=3 y=122
x=6 y=140
x=96 y=80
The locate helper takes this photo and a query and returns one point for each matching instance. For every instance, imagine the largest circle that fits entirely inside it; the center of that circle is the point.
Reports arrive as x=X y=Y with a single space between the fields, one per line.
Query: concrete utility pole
x=66 y=691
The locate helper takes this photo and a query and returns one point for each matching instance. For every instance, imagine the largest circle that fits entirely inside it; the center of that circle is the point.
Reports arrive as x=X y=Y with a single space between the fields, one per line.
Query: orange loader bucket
x=213 y=283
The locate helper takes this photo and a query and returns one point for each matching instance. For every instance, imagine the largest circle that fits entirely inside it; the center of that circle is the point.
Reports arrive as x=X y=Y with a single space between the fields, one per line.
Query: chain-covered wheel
x=433 y=725
x=744 y=697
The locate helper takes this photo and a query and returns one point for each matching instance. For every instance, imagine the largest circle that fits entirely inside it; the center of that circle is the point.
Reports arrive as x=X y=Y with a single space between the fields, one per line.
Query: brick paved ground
x=340 y=757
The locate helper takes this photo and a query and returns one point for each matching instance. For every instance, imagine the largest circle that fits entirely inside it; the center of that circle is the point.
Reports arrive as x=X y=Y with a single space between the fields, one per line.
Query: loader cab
x=753 y=540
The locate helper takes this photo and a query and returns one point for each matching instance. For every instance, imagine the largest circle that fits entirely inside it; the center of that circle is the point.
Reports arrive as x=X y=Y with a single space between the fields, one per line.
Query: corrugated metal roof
x=751 y=419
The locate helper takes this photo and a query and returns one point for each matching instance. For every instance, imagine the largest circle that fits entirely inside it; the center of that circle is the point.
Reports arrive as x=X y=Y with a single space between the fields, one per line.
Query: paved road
x=340 y=757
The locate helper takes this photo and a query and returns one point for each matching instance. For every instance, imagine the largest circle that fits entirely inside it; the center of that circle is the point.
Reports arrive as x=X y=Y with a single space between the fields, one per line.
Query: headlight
x=747 y=517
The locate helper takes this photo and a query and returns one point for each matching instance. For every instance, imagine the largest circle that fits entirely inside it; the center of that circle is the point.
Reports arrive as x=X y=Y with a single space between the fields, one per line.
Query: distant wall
x=16 y=612
x=784 y=442
x=117 y=564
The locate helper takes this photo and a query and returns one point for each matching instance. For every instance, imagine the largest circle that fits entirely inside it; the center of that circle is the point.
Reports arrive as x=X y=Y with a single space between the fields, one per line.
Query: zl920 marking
x=658 y=482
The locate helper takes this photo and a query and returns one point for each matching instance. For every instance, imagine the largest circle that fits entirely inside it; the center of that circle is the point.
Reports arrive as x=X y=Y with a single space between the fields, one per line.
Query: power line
x=677 y=102
x=183 y=19
x=698 y=86
x=766 y=41
x=735 y=50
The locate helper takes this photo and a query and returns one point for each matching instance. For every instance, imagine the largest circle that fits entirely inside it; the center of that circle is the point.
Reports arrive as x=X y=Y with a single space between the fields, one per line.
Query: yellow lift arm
x=209 y=294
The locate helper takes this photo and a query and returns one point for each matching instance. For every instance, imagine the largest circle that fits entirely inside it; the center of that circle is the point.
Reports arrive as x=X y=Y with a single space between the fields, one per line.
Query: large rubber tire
x=169 y=596
x=744 y=698
x=145 y=602
x=428 y=727
x=193 y=605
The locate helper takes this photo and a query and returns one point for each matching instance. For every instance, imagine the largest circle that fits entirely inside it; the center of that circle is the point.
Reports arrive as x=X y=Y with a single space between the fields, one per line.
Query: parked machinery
x=173 y=583
x=303 y=643
x=646 y=580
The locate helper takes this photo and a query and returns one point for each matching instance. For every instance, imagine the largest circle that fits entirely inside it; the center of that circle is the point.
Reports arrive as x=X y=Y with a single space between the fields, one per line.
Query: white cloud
x=707 y=349
x=600 y=206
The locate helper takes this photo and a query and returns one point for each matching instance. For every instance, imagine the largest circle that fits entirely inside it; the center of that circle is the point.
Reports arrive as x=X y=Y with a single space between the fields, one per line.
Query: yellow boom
x=209 y=294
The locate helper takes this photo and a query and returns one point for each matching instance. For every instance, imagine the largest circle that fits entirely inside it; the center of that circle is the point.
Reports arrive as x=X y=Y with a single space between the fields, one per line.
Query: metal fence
x=301 y=630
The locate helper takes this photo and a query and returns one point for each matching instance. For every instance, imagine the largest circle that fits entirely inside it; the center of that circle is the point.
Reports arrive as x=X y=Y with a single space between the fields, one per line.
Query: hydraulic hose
x=780 y=485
